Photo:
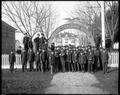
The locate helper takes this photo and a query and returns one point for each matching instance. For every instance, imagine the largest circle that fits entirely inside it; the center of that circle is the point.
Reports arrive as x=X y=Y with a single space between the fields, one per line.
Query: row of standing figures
x=60 y=59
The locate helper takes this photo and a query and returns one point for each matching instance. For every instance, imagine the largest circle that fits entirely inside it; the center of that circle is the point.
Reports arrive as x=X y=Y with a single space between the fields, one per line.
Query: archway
x=72 y=26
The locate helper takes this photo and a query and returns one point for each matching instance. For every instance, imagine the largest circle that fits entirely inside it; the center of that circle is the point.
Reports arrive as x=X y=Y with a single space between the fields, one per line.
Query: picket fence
x=113 y=60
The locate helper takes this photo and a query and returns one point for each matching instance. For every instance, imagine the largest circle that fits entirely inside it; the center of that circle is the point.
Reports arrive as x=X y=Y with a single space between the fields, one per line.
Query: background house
x=8 y=38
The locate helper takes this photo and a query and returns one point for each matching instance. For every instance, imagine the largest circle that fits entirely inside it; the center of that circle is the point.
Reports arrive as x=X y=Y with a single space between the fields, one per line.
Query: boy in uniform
x=51 y=60
x=56 y=60
x=24 y=57
x=31 y=59
x=37 y=61
x=90 y=61
x=43 y=60
x=62 y=59
x=105 y=58
x=12 y=60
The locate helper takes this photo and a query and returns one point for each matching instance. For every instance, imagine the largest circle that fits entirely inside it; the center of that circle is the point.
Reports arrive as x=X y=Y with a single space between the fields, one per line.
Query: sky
x=63 y=8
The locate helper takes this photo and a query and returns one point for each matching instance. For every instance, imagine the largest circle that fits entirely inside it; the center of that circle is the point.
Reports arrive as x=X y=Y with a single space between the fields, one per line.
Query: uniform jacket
x=62 y=57
x=30 y=44
x=82 y=58
x=37 y=57
x=37 y=40
x=52 y=58
x=24 y=56
x=43 y=56
x=105 y=57
x=90 y=57
x=31 y=57
x=12 y=58
x=74 y=57
x=25 y=40
x=97 y=53
x=42 y=40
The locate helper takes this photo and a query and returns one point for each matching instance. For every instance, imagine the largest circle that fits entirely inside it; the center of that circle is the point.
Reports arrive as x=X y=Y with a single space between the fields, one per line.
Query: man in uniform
x=44 y=59
x=105 y=58
x=67 y=62
x=82 y=61
x=62 y=59
x=31 y=60
x=25 y=42
x=59 y=63
x=51 y=60
x=100 y=58
x=75 y=59
x=90 y=61
x=12 y=60
x=42 y=41
x=37 y=42
x=37 y=61
x=53 y=47
x=24 y=57
x=56 y=60
x=97 y=59
x=30 y=44
x=97 y=41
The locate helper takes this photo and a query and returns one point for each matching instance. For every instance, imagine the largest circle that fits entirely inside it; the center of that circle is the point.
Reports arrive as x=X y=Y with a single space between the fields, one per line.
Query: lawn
x=37 y=82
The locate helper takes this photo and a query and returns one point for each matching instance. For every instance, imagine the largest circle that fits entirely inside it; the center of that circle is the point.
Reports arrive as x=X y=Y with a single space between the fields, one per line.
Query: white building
x=66 y=38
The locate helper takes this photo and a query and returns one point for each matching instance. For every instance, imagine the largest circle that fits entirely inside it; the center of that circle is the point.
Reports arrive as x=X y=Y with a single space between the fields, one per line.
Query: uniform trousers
x=11 y=66
x=105 y=67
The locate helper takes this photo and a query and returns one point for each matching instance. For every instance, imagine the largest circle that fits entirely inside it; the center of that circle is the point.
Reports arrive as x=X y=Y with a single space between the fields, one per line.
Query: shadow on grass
x=27 y=82
x=108 y=81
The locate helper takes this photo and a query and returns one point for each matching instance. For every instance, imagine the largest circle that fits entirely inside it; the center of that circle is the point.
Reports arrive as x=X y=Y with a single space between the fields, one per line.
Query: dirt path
x=74 y=82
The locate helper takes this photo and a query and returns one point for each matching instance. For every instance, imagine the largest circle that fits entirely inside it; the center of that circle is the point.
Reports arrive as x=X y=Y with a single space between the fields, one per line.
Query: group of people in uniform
x=61 y=58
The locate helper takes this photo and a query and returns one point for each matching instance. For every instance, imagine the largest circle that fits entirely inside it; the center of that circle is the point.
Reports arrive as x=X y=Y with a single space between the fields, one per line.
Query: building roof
x=5 y=24
x=64 y=34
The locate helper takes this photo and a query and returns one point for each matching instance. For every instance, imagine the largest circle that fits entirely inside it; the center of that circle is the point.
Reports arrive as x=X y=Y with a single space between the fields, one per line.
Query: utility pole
x=103 y=23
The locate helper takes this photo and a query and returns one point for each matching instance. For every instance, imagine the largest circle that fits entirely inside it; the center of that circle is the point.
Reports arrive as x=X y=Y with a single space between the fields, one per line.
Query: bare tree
x=49 y=23
x=85 y=16
x=112 y=18
x=28 y=16
x=90 y=16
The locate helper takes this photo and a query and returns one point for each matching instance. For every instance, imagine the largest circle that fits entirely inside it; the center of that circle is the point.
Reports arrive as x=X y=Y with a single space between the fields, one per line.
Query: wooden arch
x=72 y=26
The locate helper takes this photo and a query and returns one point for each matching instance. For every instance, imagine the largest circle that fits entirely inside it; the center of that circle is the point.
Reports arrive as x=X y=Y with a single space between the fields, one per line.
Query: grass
x=37 y=82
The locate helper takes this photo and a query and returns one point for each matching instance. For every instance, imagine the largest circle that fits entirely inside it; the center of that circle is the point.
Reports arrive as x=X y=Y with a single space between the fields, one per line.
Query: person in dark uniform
x=12 y=59
x=105 y=58
x=31 y=60
x=62 y=60
x=52 y=60
x=71 y=60
x=100 y=58
x=90 y=61
x=53 y=47
x=42 y=41
x=81 y=61
x=30 y=44
x=47 y=55
x=37 y=61
x=43 y=59
x=59 y=63
x=74 y=59
x=97 y=59
x=56 y=60
x=37 y=42
x=25 y=42
x=67 y=61
x=24 y=57
x=97 y=41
